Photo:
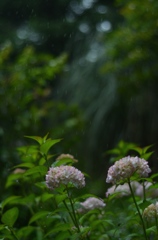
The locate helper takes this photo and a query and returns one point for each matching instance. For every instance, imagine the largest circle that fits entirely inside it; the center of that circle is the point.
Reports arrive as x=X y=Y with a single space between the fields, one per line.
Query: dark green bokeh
x=107 y=90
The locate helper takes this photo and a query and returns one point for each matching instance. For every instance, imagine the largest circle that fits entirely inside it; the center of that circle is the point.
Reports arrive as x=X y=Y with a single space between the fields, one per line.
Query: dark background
x=84 y=71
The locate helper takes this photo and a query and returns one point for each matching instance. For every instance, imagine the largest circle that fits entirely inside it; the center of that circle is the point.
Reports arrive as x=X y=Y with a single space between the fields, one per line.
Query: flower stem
x=156 y=224
x=139 y=213
x=73 y=210
x=144 y=192
x=13 y=234
x=69 y=213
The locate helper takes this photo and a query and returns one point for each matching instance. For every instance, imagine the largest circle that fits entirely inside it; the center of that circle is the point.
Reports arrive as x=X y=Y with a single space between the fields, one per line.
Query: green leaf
x=47 y=145
x=138 y=150
x=28 y=200
x=46 y=196
x=60 y=198
x=2 y=226
x=38 y=215
x=63 y=162
x=10 y=216
x=13 y=179
x=10 y=200
x=151 y=230
x=36 y=138
x=85 y=196
x=38 y=169
x=27 y=165
x=113 y=151
x=154 y=175
x=85 y=230
x=63 y=236
x=45 y=137
x=61 y=227
x=25 y=231
x=145 y=149
x=41 y=185
x=146 y=155
x=144 y=204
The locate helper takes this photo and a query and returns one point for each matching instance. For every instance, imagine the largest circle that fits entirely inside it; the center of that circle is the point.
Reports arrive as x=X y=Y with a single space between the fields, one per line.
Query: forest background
x=84 y=71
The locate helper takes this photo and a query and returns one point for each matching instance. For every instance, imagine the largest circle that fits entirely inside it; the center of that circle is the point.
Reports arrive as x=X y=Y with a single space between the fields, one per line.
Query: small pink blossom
x=126 y=167
x=64 y=175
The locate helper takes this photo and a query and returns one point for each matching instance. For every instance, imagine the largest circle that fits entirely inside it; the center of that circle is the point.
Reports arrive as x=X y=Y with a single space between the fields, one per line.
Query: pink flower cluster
x=64 y=175
x=151 y=212
x=121 y=190
x=92 y=203
x=124 y=190
x=126 y=168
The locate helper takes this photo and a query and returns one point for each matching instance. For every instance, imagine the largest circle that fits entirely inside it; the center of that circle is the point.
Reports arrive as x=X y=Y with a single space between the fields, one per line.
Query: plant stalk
x=140 y=215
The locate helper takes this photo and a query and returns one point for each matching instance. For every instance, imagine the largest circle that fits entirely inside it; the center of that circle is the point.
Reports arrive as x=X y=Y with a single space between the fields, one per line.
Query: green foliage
x=10 y=217
x=124 y=148
x=119 y=86
x=29 y=103
x=34 y=208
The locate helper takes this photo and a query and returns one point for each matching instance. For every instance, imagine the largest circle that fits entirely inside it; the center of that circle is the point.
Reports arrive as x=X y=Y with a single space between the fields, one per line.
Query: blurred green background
x=84 y=71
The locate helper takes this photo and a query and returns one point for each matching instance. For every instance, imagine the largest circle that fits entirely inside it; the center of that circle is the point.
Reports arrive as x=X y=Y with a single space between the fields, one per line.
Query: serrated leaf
x=47 y=145
x=38 y=215
x=37 y=169
x=9 y=200
x=10 y=216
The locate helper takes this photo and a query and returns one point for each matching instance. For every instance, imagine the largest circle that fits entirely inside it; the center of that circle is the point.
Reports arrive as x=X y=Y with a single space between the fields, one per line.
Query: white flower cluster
x=124 y=190
x=126 y=168
x=64 y=175
x=121 y=190
x=151 y=212
x=92 y=203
